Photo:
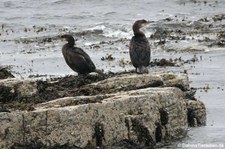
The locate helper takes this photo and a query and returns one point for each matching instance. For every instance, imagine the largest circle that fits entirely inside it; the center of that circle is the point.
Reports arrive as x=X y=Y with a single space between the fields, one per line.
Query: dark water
x=25 y=23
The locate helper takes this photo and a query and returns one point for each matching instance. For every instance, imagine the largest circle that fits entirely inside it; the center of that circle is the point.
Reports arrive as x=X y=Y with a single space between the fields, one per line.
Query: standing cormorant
x=139 y=48
x=78 y=60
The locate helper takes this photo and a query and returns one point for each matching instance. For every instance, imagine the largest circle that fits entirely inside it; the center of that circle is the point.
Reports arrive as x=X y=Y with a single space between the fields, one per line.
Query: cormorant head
x=140 y=23
x=68 y=38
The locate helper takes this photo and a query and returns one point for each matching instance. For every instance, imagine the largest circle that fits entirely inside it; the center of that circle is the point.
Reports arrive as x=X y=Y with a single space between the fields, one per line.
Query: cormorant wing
x=86 y=56
x=79 y=61
x=139 y=51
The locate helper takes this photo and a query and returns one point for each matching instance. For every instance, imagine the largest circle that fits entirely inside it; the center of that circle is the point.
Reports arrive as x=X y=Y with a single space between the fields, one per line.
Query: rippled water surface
x=29 y=43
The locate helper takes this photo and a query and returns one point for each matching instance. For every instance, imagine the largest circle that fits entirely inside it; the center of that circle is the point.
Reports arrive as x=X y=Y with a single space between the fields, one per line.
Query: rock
x=122 y=83
x=126 y=82
x=179 y=81
x=128 y=115
x=3 y=108
x=39 y=91
x=121 y=111
x=196 y=113
x=4 y=73
x=10 y=89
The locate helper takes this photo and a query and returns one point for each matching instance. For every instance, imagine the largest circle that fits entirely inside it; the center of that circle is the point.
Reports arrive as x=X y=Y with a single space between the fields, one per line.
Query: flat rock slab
x=141 y=109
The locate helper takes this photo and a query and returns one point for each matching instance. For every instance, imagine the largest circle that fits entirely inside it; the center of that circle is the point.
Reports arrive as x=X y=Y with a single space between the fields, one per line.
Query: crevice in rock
x=128 y=128
x=158 y=133
x=164 y=117
x=99 y=134
x=191 y=115
x=143 y=134
x=46 y=121
x=24 y=130
x=157 y=83
x=4 y=135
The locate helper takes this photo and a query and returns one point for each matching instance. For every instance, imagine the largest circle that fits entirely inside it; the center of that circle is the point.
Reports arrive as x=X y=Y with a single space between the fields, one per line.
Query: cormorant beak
x=147 y=23
x=144 y=24
x=62 y=37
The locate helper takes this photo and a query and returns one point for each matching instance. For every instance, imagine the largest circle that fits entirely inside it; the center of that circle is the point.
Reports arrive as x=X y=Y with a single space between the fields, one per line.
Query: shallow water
x=210 y=73
x=103 y=27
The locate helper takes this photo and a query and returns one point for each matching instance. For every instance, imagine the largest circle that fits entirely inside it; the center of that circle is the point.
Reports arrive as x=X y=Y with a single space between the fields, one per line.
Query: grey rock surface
x=143 y=115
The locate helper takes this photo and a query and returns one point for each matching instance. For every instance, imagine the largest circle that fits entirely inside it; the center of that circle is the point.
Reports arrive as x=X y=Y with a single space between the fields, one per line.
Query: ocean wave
x=116 y=33
x=98 y=27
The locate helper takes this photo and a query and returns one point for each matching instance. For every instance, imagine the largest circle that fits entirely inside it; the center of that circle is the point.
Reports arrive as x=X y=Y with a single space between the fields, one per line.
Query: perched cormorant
x=139 y=48
x=78 y=60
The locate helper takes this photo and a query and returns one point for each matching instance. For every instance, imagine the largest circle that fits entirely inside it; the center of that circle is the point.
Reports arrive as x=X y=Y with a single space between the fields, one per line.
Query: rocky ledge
x=119 y=111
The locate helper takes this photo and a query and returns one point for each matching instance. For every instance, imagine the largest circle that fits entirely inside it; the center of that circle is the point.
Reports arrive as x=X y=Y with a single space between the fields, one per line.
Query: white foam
x=109 y=32
x=98 y=27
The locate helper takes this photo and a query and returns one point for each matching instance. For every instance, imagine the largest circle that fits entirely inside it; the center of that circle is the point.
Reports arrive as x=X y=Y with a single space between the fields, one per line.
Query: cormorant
x=139 y=48
x=75 y=57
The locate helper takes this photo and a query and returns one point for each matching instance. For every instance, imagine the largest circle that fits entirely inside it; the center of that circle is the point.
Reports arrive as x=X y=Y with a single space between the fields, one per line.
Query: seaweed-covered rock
x=17 y=88
x=4 y=73
x=196 y=113
x=23 y=94
x=128 y=110
x=131 y=115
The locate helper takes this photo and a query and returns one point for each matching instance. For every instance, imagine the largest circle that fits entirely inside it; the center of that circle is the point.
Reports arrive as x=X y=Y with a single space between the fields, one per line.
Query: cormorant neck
x=136 y=30
x=71 y=42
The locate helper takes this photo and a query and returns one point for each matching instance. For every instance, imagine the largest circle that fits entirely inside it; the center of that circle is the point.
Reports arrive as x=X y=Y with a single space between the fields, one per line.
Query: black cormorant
x=139 y=48
x=75 y=57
